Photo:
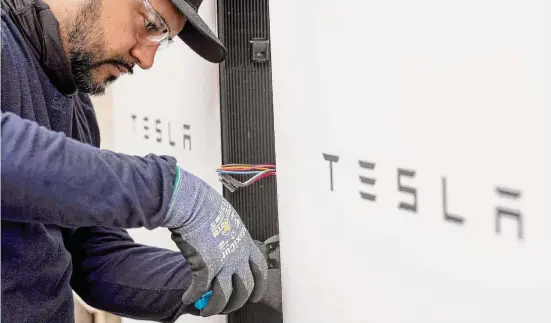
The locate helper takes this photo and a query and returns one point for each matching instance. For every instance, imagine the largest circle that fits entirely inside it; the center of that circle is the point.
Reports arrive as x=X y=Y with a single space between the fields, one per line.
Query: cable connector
x=229 y=182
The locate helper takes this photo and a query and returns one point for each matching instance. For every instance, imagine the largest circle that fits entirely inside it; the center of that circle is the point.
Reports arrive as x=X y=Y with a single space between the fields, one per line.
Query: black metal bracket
x=260 y=50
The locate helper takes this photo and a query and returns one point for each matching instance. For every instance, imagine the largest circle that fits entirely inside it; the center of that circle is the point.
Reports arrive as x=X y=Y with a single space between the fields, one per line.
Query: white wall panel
x=449 y=92
x=172 y=109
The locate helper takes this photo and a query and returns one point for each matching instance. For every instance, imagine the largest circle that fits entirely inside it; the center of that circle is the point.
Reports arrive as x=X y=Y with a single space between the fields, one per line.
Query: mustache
x=120 y=62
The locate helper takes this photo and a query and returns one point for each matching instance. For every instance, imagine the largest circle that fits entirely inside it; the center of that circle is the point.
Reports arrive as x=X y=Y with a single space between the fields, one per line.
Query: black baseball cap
x=197 y=35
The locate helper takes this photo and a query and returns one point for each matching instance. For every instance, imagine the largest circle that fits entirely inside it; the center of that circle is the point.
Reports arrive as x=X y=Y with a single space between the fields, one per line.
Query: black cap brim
x=198 y=36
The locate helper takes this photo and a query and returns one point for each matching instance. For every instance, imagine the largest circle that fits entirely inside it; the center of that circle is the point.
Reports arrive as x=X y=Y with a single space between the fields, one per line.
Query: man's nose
x=144 y=54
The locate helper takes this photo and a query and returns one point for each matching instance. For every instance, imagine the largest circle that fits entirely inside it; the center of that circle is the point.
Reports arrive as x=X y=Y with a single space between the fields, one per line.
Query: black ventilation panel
x=247 y=122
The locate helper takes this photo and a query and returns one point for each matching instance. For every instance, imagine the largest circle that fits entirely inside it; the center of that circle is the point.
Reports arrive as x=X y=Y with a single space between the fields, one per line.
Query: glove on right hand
x=213 y=239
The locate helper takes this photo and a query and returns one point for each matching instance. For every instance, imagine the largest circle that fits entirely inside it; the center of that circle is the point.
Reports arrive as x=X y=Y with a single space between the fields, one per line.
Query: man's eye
x=149 y=26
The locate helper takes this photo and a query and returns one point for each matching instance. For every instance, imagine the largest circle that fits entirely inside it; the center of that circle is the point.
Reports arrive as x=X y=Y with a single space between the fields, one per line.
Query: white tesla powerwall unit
x=413 y=163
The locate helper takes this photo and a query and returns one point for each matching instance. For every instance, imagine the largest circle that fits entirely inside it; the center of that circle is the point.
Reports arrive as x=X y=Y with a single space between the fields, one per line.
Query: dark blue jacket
x=65 y=202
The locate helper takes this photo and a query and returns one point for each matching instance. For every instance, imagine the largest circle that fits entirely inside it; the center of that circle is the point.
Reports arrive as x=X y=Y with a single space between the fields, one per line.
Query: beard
x=88 y=50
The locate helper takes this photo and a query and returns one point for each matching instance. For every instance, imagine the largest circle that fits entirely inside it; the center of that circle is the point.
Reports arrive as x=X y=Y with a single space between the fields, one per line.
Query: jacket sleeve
x=113 y=273
x=52 y=179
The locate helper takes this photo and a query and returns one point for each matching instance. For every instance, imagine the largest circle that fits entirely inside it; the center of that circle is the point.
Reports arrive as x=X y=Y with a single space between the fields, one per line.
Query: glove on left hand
x=213 y=239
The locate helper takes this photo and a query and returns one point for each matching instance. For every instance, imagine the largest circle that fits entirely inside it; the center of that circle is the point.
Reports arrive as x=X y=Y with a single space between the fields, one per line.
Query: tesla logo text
x=504 y=211
x=161 y=131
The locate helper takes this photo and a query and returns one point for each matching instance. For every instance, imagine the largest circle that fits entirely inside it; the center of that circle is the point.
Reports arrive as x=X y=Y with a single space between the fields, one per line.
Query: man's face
x=106 y=38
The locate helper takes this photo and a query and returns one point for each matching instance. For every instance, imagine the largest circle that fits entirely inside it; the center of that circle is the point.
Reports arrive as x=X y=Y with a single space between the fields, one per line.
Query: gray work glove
x=213 y=239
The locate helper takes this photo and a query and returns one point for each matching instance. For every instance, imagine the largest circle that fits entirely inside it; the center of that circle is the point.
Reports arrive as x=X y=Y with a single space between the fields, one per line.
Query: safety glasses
x=153 y=28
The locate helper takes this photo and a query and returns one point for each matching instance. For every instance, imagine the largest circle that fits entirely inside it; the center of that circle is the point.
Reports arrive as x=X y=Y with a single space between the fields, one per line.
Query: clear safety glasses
x=153 y=28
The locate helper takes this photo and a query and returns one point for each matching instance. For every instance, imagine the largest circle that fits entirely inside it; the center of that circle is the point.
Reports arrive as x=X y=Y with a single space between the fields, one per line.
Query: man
x=66 y=203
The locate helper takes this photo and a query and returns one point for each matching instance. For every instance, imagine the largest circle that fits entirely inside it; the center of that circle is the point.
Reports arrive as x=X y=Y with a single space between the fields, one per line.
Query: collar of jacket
x=40 y=28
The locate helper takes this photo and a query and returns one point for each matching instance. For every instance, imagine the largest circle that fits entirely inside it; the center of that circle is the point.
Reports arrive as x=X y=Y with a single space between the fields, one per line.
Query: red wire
x=237 y=168
x=264 y=176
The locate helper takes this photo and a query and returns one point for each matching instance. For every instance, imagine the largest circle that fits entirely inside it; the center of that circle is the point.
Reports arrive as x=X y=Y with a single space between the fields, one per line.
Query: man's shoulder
x=7 y=30
x=13 y=42
x=9 y=12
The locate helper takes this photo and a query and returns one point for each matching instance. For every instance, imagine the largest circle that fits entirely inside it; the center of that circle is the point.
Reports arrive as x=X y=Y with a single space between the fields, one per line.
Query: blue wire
x=238 y=172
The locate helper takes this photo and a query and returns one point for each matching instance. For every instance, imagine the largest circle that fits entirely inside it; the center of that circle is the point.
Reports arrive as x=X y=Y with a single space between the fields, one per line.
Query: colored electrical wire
x=257 y=177
x=264 y=176
x=238 y=172
x=235 y=167
x=260 y=171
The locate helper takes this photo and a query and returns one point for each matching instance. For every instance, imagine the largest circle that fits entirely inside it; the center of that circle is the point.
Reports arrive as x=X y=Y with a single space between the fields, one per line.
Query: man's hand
x=213 y=239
